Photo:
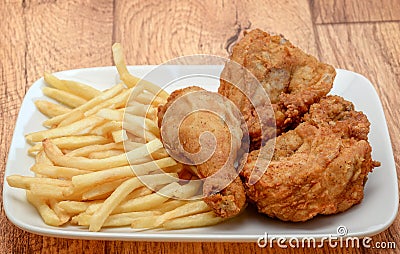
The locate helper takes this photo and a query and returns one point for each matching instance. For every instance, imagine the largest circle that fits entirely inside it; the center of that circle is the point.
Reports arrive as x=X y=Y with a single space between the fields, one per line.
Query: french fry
x=56 y=171
x=106 y=95
x=72 y=142
x=102 y=189
x=105 y=154
x=78 y=115
x=76 y=207
x=50 y=109
x=41 y=158
x=63 y=97
x=118 y=101
x=59 y=159
x=116 y=220
x=110 y=114
x=85 y=151
x=149 y=201
x=101 y=177
x=79 y=89
x=192 y=221
x=107 y=128
x=170 y=205
x=145 y=123
x=119 y=136
x=61 y=214
x=188 y=190
x=24 y=182
x=99 y=217
x=184 y=210
x=48 y=215
x=129 y=79
x=49 y=191
x=138 y=109
x=80 y=127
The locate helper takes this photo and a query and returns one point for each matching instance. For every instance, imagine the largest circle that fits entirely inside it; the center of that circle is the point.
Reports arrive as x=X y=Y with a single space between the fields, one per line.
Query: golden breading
x=320 y=167
x=232 y=199
x=292 y=79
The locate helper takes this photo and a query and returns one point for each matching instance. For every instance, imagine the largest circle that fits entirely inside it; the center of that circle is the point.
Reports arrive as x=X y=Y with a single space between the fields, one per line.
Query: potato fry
x=118 y=101
x=138 y=109
x=107 y=128
x=24 y=182
x=192 y=221
x=110 y=114
x=56 y=171
x=72 y=142
x=119 y=136
x=102 y=189
x=62 y=215
x=129 y=79
x=79 y=89
x=76 y=207
x=63 y=97
x=99 y=217
x=140 y=192
x=184 y=210
x=105 y=154
x=147 y=202
x=106 y=95
x=50 y=109
x=188 y=190
x=116 y=220
x=78 y=115
x=80 y=127
x=41 y=158
x=100 y=177
x=59 y=159
x=170 y=205
x=85 y=151
x=49 y=191
x=145 y=123
x=48 y=215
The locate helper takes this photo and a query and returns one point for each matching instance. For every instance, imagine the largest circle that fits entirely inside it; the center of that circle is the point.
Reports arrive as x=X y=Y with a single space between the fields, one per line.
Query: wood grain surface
x=35 y=36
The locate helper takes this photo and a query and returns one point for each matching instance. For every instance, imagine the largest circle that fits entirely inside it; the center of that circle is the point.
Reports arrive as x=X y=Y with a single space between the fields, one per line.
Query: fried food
x=231 y=200
x=292 y=79
x=320 y=167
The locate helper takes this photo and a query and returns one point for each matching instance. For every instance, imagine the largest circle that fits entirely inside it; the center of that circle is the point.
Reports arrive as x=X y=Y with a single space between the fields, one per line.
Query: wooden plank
x=372 y=50
x=345 y=11
x=66 y=35
x=37 y=36
x=155 y=31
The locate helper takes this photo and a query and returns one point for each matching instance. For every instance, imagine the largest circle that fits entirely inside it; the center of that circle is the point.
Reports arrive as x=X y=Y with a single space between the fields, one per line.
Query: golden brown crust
x=232 y=199
x=293 y=80
x=320 y=167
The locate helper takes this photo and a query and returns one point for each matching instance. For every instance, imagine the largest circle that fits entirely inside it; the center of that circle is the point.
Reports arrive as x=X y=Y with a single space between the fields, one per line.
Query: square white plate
x=376 y=212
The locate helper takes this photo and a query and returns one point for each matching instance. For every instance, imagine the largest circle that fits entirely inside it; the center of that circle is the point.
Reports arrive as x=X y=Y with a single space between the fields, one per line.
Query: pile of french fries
x=101 y=163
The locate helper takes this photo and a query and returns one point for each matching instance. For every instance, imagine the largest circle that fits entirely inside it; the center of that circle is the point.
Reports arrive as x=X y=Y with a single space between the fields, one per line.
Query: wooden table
x=362 y=36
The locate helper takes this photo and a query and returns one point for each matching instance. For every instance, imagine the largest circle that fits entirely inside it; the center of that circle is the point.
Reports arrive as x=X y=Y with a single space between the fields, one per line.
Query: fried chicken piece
x=224 y=197
x=292 y=79
x=320 y=167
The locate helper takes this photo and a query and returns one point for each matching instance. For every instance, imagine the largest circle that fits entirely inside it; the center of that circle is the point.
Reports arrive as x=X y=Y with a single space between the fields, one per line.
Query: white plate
x=376 y=212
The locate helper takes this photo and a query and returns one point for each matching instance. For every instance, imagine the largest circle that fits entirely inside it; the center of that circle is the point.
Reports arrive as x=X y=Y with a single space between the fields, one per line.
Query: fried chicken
x=292 y=79
x=320 y=167
x=186 y=112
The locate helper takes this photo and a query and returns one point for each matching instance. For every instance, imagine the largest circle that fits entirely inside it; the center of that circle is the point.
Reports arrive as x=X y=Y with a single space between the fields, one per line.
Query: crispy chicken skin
x=320 y=167
x=293 y=80
x=232 y=199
